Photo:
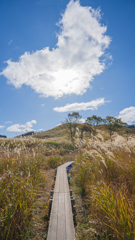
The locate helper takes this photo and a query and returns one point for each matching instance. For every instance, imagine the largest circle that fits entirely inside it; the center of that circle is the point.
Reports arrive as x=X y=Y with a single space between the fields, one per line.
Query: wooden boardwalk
x=61 y=226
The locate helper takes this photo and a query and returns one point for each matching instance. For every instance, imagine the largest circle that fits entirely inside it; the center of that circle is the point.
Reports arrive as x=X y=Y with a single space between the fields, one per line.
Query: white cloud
x=70 y=67
x=1 y=127
x=22 y=127
x=8 y=122
x=58 y=124
x=128 y=115
x=93 y=105
x=41 y=129
x=82 y=120
x=10 y=41
x=42 y=105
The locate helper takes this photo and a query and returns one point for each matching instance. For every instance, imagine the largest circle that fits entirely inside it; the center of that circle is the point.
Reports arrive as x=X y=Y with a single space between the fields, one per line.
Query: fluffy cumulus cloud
x=1 y=127
x=80 y=54
x=22 y=127
x=128 y=115
x=93 y=105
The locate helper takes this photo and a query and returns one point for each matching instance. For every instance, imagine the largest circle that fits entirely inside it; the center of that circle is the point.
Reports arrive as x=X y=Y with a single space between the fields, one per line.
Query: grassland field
x=103 y=183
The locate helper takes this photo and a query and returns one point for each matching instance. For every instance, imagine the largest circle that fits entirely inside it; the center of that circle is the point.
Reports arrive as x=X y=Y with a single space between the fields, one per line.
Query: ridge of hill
x=62 y=130
x=56 y=132
x=62 y=133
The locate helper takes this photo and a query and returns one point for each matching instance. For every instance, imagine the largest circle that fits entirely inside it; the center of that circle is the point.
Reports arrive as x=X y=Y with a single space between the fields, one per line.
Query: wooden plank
x=57 y=182
x=61 y=189
x=66 y=181
x=61 y=227
x=52 y=231
x=68 y=163
x=70 y=231
x=55 y=203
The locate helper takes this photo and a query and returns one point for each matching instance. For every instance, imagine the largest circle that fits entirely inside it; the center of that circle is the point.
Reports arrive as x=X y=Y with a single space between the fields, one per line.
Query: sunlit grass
x=104 y=175
x=23 y=166
x=18 y=191
x=114 y=210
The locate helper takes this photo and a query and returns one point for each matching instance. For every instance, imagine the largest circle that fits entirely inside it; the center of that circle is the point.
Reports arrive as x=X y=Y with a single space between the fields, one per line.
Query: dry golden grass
x=104 y=176
x=103 y=182
x=24 y=167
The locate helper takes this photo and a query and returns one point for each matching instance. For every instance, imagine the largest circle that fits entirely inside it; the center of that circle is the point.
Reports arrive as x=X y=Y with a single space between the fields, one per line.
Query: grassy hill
x=56 y=132
x=62 y=133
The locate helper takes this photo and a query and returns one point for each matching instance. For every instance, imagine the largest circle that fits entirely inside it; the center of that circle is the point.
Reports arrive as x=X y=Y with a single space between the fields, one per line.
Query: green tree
x=72 y=122
x=94 y=121
x=86 y=128
x=113 y=124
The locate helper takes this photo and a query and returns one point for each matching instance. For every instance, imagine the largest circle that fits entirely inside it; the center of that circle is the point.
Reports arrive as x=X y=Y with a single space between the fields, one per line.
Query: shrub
x=54 y=161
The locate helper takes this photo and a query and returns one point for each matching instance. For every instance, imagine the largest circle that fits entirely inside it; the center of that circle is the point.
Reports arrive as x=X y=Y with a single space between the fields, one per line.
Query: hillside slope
x=62 y=131
x=56 y=132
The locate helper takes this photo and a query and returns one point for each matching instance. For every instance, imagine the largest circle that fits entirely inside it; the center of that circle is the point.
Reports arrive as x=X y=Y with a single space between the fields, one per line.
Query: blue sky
x=60 y=56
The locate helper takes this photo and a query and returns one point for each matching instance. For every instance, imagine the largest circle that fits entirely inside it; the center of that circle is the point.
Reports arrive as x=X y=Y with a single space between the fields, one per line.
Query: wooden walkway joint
x=61 y=226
